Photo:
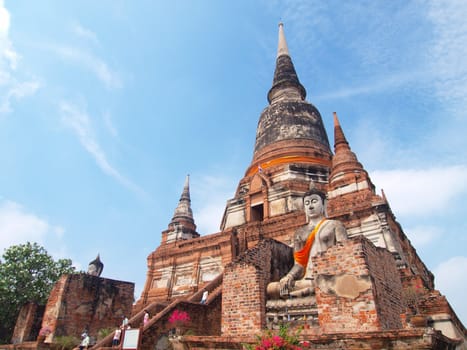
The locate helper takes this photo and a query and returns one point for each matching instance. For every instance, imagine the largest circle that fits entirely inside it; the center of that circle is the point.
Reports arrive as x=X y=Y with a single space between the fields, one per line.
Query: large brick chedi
x=363 y=288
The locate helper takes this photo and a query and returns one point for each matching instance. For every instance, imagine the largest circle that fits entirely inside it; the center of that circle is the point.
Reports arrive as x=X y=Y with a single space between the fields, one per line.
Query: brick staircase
x=161 y=312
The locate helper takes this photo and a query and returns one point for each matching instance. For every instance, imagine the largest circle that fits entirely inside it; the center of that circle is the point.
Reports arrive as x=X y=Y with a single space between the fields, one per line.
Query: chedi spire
x=344 y=160
x=290 y=129
x=182 y=225
x=285 y=84
x=348 y=177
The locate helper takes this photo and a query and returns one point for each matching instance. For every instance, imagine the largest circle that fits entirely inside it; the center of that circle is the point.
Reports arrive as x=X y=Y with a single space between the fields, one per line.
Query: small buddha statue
x=95 y=267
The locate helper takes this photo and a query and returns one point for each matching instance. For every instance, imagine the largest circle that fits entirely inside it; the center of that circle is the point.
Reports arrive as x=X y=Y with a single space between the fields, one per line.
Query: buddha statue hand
x=286 y=284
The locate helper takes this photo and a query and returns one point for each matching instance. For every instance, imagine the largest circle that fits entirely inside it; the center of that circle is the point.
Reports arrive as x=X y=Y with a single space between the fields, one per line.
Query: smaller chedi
x=95 y=267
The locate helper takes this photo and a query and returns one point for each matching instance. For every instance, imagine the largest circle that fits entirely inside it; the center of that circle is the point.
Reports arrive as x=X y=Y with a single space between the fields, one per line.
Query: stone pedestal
x=302 y=311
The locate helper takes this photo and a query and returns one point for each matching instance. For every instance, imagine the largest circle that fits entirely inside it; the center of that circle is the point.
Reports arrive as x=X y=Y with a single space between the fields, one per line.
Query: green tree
x=27 y=274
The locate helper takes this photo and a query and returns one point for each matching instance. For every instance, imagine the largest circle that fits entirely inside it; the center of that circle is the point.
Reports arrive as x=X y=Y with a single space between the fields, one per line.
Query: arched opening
x=257 y=212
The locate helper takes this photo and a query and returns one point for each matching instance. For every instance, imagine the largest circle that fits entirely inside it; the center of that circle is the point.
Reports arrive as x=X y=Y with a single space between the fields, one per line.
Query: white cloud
x=59 y=231
x=422 y=235
x=208 y=218
x=85 y=33
x=301 y=16
x=11 y=89
x=451 y=281
x=212 y=192
x=386 y=83
x=448 y=51
x=16 y=91
x=409 y=191
x=102 y=71
x=109 y=124
x=80 y=123
x=24 y=89
x=6 y=48
x=18 y=225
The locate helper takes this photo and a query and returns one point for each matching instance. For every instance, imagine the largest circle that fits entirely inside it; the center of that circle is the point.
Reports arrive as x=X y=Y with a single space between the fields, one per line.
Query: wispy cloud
x=97 y=66
x=449 y=280
x=18 y=225
x=15 y=92
x=79 y=121
x=385 y=83
x=11 y=88
x=448 y=51
x=7 y=54
x=301 y=16
x=212 y=192
x=423 y=235
x=85 y=33
x=109 y=124
x=430 y=39
x=407 y=193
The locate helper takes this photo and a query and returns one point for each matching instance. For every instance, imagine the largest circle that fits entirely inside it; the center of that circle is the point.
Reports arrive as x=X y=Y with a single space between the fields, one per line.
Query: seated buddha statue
x=316 y=236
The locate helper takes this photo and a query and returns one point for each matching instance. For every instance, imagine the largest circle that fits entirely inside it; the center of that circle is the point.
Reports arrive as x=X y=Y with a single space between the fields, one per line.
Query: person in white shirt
x=204 y=297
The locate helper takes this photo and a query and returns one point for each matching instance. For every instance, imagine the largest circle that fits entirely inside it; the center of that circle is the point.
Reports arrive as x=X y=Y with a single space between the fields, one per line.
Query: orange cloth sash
x=301 y=257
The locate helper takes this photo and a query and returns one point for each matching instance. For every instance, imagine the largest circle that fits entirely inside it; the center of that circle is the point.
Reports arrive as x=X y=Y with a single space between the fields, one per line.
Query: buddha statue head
x=95 y=267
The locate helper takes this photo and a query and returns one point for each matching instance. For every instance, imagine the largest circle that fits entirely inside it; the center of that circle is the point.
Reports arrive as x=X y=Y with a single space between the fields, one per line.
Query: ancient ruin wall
x=358 y=288
x=82 y=301
x=244 y=286
x=28 y=323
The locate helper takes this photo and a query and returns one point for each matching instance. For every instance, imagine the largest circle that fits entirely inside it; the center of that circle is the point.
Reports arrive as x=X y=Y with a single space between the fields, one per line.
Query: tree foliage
x=27 y=274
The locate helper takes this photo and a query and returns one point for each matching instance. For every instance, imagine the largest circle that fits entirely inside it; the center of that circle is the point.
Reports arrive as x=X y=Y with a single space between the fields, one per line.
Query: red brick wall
x=82 y=301
x=280 y=228
x=388 y=286
x=181 y=252
x=28 y=323
x=377 y=306
x=244 y=287
x=242 y=300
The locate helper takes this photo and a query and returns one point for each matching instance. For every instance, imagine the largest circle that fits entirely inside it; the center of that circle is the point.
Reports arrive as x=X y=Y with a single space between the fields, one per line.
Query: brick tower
x=184 y=261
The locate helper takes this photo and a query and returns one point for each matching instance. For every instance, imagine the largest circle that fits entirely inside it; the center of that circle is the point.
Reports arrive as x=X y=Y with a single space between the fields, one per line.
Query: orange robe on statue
x=301 y=257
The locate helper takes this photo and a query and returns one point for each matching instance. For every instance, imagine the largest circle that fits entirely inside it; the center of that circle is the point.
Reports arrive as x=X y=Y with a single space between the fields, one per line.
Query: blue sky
x=106 y=106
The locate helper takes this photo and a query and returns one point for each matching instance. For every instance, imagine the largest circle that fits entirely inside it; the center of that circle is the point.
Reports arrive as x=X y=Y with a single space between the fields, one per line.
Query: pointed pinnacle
x=282 y=48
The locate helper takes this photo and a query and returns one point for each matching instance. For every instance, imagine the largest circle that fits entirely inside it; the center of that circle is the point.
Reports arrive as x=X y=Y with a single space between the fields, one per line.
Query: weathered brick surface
x=163 y=281
x=28 y=323
x=216 y=246
x=375 y=308
x=244 y=287
x=81 y=301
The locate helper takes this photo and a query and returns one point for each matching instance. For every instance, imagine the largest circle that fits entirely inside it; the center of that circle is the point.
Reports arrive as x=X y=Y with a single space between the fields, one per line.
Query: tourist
x=116 y=338
x=204 y=297
x=85 y=342
x=145 y=318
x=125 y=322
